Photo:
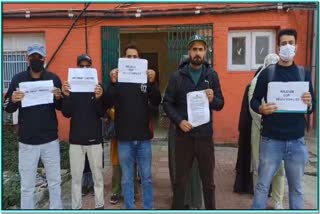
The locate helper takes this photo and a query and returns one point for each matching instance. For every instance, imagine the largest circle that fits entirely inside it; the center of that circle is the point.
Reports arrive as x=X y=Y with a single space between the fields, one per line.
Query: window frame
x=238 y=34
x=250 y=59
x=271 y=48
x=17 y=64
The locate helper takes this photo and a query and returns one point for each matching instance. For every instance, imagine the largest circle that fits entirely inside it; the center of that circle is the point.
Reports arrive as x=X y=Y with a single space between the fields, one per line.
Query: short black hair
x=84 y=57
x=130 y=46
x=290 y=32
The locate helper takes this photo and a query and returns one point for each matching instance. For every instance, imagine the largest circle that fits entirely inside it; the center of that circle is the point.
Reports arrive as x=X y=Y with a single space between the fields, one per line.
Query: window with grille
x=178 y=37
x=14 y=53
x=13 y=62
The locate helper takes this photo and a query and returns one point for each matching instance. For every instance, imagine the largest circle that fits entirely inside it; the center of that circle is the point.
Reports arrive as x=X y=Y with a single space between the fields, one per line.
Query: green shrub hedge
x=11 y=190
x=9 y=149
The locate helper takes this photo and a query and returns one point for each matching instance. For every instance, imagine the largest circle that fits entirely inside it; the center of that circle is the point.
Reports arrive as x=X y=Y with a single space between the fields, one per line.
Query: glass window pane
x=239 y=50
x=262 y=47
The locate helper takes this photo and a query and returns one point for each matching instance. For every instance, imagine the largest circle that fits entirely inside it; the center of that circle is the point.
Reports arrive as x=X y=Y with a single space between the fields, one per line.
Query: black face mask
x=36 y=65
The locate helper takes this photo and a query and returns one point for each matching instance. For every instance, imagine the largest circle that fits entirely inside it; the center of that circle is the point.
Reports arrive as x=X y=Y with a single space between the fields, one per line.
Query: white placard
x=287 y=96
x=36 y=92
x=82 y=79
x=198 y=108
x=132 y=70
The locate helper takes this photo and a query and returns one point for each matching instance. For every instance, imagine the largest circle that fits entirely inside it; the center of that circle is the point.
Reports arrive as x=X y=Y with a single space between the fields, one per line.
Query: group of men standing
x=38 y=130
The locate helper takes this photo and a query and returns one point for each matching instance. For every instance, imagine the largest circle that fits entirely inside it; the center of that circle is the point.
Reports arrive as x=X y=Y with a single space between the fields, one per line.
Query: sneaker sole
x=114 y=202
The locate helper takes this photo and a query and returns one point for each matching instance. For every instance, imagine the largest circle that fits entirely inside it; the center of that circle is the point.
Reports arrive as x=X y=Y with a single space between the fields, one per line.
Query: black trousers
x=186 y=149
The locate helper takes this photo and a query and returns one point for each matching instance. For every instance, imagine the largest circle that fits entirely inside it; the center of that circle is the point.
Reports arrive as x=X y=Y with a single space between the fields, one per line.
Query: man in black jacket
x=191 y=142
x=132 y=125
x=38 y=130
x=85 y=110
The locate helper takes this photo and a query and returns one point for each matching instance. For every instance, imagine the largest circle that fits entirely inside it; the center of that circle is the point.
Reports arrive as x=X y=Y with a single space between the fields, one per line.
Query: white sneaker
x=278 y=206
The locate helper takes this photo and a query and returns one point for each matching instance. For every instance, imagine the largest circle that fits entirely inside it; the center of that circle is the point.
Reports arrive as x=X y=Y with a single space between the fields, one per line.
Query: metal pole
x=86 y=29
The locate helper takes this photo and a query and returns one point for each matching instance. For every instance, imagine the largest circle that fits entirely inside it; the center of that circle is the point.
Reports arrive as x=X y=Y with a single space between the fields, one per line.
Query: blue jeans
x=28 y=163
x=295 y=156
x=129 y=153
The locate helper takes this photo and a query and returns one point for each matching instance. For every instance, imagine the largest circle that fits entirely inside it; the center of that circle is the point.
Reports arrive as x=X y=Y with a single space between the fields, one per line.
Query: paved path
x=224 y=179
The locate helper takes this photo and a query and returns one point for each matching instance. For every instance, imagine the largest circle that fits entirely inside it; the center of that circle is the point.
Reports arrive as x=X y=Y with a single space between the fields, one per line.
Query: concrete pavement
x=224 y=178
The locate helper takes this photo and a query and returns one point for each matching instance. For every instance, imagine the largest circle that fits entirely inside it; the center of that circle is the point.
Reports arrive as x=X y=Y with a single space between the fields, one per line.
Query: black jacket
x=85 y=113
x=175 y=98
x=132 y=109
x=37 y=124
x=281 y=126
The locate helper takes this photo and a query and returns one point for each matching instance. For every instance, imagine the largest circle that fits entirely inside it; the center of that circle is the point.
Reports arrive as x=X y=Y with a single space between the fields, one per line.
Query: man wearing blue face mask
x=282 y=133
x=38 y=130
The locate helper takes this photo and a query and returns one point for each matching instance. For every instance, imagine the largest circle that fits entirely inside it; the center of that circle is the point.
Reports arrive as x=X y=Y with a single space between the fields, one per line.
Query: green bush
x=11 y=189
x=11 y=192
x=64 y=155
x=9 y=149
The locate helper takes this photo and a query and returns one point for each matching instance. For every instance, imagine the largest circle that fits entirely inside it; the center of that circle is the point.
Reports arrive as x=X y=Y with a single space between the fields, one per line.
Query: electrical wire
x=90 y=23
x=66 y=36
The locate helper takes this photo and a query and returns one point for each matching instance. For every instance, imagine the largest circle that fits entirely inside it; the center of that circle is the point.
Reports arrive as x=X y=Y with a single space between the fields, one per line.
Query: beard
x=197 y=60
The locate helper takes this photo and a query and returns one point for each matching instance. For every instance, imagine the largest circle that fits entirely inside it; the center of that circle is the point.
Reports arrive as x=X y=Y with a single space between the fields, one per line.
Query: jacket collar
x=184 y=68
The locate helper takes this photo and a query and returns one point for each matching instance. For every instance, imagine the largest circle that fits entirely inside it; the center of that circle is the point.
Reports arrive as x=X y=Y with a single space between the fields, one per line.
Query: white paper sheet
x=287 y=96
x=36 y=92
x=132 y=70
x=82 y=79
x=198 y=108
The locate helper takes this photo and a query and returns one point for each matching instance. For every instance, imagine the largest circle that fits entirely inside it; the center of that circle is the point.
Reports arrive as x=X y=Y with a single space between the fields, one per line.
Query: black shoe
x=100 y=208
x=114 y=199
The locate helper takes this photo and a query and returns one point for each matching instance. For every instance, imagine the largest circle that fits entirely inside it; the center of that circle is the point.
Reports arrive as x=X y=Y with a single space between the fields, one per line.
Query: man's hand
x=209 y=93
x=267 y=109
x=57 y=93
x=185 y=126
x=151 y=75
x=98 y=91
x=66 y=89
x=17 y=96
x=114 y=75
x=306 y=98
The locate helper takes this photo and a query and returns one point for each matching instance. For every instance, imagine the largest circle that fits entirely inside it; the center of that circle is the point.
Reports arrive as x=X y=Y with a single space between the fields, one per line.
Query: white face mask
x=287 y=52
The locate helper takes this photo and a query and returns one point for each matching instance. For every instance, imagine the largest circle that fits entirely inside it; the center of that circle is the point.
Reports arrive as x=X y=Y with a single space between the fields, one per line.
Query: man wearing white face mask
x=277 y=190
x=282 y=135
